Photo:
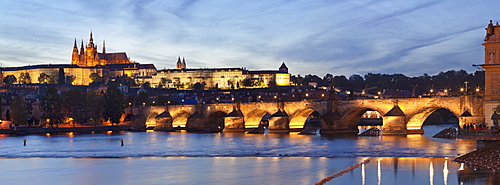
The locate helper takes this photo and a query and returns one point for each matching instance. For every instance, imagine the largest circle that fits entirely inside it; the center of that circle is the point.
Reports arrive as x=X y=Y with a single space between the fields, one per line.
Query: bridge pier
x=234 y=124
x=196 y=123
x=163 y=121
x=234 y=121
x=279 y=122
x=394 y=125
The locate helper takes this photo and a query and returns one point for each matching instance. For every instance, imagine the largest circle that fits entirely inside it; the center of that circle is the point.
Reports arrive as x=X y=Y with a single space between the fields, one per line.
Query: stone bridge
x=400 y=116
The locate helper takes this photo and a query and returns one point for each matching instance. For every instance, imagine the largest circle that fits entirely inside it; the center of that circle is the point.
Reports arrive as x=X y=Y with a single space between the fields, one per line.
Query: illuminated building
x=491 y=68
x=90 y=57
x=86 y=61
x=224 y=78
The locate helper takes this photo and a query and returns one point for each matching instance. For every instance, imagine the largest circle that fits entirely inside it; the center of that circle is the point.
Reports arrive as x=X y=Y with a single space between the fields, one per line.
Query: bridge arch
x=150 y=120
x=351 y=118
x=180 y=119
x=255 y=117
x=299 y=119
x=216 y=119
x=417 y=120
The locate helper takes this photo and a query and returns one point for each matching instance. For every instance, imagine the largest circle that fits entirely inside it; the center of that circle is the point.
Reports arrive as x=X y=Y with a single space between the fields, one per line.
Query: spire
x=178 y=65
x=91 y=39
x=103 y=46
x=183 y=63
x=74 y=45
x=81 y=49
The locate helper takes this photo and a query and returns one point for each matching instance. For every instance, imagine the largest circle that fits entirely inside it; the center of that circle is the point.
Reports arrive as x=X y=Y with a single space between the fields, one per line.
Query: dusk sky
x=311 y=37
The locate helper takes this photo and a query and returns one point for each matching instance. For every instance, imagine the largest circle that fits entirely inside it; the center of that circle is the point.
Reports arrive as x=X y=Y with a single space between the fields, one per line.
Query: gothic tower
x=75 y=58
x=91 y=53
x=179 y=64
x=491 y=68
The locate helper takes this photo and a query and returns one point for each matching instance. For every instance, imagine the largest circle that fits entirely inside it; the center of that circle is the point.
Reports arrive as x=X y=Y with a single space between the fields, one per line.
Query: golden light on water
x=431 y=174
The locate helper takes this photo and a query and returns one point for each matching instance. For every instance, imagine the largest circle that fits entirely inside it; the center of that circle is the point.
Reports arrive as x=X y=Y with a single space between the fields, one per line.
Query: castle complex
x=87 y=61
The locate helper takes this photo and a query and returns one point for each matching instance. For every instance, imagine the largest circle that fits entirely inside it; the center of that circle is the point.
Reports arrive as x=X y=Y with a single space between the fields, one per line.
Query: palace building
x=223 y=78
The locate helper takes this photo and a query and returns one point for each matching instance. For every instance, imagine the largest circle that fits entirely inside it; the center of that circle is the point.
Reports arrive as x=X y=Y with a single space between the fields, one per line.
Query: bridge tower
x=491 y=68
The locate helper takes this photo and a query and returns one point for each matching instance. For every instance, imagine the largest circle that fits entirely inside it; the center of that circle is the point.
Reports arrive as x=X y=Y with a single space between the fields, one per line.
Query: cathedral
x=89 y=57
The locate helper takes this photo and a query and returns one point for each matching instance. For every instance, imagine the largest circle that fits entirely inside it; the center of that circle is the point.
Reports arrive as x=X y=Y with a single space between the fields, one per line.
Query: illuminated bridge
x=399 y=116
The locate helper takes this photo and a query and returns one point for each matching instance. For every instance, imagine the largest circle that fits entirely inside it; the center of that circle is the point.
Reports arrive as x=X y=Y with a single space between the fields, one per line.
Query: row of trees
x=25 y=78
x=451 y=80
x=82 y=107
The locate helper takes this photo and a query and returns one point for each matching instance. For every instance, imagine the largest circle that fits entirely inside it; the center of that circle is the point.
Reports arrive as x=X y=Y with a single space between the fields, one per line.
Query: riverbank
x=26 y=131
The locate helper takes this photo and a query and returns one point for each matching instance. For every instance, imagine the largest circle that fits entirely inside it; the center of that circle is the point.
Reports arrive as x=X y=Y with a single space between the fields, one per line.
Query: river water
x=234 y=158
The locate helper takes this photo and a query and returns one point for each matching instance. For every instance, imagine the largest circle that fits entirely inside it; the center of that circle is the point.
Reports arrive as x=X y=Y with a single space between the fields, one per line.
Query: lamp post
x=466 y=83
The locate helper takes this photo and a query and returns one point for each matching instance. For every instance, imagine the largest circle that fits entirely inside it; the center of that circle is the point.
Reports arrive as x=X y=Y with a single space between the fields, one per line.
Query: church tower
x=491 y=68
x=179 y=64
x=91 y=52
x=75 y=58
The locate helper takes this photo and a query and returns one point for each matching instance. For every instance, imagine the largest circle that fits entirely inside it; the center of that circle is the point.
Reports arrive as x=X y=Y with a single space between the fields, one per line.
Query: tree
x=54 y=77
x=198 y=87
x=51 y=106
x=142 y=98
x=74 y=104
x=113 y=104
x=25 y=78
x=70 y=79
x=162 y=83
x=146 y=85
x=18 y=108
x=248 y=82
x=94 y=106
x=43 y=78
x=9 y=79
x=95 y=79
x=340 y=81
x=162 y=99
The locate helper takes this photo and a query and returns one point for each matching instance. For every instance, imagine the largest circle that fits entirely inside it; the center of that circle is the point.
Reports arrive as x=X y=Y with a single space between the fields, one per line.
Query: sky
x=339 y=37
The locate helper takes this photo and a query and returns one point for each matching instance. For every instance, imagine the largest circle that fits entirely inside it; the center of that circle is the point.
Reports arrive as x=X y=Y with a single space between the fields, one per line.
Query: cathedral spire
x=81 y=49
x=91 y=39
x=103 y=46
x=183 y=63
x=74 y=45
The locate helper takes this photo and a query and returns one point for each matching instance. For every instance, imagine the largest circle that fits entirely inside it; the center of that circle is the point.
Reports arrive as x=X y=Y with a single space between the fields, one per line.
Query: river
x=234 y=158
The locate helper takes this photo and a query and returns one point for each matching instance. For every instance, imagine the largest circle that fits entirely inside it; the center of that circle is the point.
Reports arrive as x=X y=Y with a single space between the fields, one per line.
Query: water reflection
x=236 y=170
x=235 y=158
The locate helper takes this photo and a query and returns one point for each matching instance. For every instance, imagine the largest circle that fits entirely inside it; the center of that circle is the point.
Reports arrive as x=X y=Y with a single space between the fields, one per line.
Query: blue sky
x=310 y=36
